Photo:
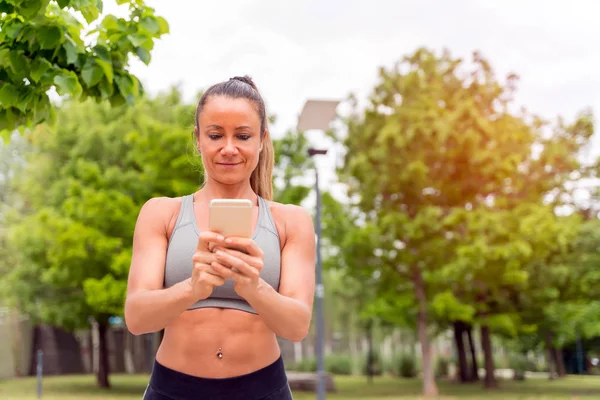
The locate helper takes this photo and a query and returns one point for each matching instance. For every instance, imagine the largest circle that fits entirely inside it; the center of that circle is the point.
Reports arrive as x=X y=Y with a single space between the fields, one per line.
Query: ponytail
x=261 y=179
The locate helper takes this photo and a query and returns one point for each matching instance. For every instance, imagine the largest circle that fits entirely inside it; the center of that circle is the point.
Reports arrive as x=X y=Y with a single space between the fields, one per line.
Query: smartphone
x=231 y=217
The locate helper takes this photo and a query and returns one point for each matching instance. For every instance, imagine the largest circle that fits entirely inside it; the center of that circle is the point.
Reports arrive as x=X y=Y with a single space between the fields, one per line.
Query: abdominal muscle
x=192 y=341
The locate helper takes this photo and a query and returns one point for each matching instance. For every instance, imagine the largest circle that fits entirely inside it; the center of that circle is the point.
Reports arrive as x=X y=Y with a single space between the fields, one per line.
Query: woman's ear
x=262 y=139
x=197 y=137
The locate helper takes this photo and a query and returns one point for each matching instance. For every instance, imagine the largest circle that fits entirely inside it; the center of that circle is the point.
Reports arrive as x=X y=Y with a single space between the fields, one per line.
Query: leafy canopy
x=62 y=45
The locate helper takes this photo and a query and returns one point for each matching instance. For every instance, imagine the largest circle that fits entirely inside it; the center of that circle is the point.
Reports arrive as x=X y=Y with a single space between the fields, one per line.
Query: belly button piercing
x=219 y=353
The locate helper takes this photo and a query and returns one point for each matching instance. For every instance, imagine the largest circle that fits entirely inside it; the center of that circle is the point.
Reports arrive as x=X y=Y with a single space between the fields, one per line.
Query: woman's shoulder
x=288 y=210
x=161 y=210
x=287 y=216
x=158 y=205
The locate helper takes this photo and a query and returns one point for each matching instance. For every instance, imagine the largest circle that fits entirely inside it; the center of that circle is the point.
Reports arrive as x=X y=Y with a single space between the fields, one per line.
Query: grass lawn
x=126 y=387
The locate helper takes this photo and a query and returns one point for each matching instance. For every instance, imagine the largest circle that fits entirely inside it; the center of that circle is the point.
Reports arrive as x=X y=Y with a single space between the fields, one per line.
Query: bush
x=442 y=368
x=338 y=364
x=519 y=364
x=308 y=364
x=404 y=365
x=377 y=364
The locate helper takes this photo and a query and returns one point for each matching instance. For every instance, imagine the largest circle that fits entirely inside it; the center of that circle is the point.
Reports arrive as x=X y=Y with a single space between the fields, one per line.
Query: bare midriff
x=217 y=343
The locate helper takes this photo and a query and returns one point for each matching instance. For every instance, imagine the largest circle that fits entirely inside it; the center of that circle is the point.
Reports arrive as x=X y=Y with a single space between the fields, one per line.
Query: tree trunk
x=370 y=351
x=429 y=386
x=103 y=366
x=474 y=375
x=486 y=344
x=550 y=356
x=463 y=369
x=560 y=362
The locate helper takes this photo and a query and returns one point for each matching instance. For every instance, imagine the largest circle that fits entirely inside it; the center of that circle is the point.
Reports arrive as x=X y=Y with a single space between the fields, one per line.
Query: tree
x=84 y=188
x=436 y=152
x=291 y=163
x=11 y=163
x=46 y=45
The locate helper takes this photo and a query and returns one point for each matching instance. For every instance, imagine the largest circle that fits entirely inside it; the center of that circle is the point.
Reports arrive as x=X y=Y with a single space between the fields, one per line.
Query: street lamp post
x=317 y=114
x=319 y=289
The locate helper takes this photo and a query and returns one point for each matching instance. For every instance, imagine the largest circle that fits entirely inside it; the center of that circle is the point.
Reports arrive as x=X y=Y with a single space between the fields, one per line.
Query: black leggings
x=268 y=383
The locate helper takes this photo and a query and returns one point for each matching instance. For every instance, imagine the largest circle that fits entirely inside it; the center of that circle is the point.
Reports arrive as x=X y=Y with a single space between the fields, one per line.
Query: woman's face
x=229 y=139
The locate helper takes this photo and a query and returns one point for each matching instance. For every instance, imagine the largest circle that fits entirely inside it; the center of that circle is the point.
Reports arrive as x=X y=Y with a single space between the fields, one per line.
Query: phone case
x=231 y=217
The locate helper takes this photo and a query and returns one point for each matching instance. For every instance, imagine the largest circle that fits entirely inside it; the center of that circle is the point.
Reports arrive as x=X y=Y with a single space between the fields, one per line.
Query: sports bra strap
x=187 y=210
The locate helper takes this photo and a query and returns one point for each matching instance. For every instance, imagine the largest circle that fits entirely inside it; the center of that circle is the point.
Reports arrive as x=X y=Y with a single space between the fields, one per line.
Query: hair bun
x=246 y=79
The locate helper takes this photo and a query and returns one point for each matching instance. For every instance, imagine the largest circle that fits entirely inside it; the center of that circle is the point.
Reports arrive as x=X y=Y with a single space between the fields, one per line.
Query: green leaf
x=12 y=28
x=164 y=25
x=8 y=95
x=106 y=89
x=137 y=40
x=39 y=66
x=41 y=107
x=103 y=52
x=67 y=83
x=110 y=23
x=5 y=58
x=49 y=37
x=143 y=54
x=124 y=84
x=30 y=8
x=119 y=2
x=63 y=3
x=92 y=73
x=106 y=68
x=18 y=63
x=24 y=99
x=90 y=13
x=71 y=50
x=150 y=24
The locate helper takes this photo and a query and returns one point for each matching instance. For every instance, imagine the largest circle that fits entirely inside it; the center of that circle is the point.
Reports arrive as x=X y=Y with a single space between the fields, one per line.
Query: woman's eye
x=214 y=137
x=244 y=137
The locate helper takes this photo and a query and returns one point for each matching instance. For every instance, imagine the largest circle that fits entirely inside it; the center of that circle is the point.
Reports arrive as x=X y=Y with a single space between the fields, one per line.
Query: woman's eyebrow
x=214 y=126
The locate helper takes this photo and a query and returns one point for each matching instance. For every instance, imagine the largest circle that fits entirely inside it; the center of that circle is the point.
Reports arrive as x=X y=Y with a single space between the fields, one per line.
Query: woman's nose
x=229 y=147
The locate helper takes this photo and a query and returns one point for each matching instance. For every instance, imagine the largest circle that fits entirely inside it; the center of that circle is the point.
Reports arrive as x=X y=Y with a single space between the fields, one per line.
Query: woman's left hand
x=242 y=267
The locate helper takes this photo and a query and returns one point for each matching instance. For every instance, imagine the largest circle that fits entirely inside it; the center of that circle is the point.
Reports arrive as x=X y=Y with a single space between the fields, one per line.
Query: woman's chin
x=231 y=179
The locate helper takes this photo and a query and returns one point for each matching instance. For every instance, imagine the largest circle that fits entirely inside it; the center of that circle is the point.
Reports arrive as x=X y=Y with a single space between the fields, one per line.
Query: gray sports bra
x=183 y=243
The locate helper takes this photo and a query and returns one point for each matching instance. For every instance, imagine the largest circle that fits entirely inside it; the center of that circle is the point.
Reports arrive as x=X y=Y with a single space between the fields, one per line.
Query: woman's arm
x=287 y=312
x=149 y=307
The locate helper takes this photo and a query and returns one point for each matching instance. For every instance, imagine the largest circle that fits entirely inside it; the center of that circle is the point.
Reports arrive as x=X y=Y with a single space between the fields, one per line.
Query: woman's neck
x=215 y=190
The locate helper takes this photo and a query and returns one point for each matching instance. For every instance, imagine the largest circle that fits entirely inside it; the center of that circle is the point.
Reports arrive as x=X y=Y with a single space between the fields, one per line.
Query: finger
x=229 y=273
x=212 y=279
x=203 y=257
x=237 y=263
x=248 y=259
x=205 y=274
x=246 y=244
x=206 y=237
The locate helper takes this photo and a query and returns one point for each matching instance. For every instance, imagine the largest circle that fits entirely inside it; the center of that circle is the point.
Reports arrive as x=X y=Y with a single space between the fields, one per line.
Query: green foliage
x=456 y=197
x=338 y=364
x=404 y=365
x=377 y=364
x=307 y=364
x=45 y=45
x=442 y=367
x=292 y=161
x=84 y=188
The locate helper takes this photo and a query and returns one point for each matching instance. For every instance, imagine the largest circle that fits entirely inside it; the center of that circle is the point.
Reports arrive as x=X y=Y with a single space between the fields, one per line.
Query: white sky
x=297 y=50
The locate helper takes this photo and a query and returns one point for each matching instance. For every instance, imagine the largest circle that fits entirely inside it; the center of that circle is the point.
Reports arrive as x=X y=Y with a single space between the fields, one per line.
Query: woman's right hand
x=204 y=278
